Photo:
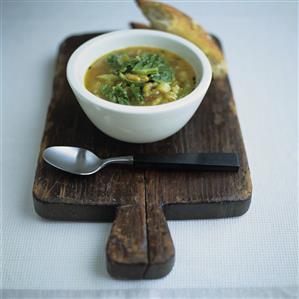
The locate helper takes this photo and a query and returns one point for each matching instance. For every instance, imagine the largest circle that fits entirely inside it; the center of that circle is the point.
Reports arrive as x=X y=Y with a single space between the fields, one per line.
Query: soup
x=140 y=76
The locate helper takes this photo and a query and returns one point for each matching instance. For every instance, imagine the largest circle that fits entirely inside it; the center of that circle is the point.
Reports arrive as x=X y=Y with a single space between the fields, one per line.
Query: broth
x=140 y=76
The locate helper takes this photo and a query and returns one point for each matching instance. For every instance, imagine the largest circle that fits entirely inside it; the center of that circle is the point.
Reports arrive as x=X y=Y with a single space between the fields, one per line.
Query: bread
x=167 y=18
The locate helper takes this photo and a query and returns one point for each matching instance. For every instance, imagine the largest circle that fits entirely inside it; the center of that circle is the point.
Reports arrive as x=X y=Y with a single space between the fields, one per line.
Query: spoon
x=83 y=162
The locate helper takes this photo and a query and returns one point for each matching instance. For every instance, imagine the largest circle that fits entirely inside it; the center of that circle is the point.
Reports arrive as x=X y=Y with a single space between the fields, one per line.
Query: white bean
x=164 y=87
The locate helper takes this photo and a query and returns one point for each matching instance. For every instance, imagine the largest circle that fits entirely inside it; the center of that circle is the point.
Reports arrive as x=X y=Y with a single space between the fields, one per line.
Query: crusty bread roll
x=167 y=18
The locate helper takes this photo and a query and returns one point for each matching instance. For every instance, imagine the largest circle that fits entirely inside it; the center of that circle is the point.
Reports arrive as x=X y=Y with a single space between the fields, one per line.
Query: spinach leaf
x=148 y=64
x=113 y=61
x=154 y=65
x=128 y=65
x=116 y=94
x=106 y=91
x=136 y=91
x=165 y=74
x=145 y=64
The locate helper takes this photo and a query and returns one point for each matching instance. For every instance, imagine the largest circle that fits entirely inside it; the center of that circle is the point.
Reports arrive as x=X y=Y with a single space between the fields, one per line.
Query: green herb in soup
x=140 y=76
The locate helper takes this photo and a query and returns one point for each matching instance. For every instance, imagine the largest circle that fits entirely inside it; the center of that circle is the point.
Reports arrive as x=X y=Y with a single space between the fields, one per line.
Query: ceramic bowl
x=138 y=124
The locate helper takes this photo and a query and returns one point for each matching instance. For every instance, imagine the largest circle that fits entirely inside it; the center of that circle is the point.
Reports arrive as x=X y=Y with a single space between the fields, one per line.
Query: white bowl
x=138 y=124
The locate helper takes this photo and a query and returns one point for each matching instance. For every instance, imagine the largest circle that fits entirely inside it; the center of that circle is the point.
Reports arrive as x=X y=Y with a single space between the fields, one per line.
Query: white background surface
x=254 y=256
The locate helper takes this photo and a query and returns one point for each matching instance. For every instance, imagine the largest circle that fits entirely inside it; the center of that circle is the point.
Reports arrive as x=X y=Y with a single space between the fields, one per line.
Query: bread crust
x=167 y=18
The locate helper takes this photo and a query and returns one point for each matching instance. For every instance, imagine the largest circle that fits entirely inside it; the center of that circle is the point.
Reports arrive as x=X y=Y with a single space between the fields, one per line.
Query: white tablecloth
x=253 y=256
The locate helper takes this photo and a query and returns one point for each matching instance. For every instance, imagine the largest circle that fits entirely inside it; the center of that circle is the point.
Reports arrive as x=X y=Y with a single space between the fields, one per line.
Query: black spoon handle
x=200 y=161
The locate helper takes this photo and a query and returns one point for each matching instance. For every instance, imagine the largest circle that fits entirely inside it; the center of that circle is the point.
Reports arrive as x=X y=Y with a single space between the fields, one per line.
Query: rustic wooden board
x=138 y=201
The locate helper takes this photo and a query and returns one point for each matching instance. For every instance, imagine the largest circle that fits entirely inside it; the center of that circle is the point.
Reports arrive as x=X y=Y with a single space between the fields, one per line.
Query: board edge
x=74 y=212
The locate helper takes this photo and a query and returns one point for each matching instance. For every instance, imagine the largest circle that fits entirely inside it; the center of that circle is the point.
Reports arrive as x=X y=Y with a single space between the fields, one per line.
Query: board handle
x=161 y=251
x=126 y=251
x=140 y=244
x=199 y=161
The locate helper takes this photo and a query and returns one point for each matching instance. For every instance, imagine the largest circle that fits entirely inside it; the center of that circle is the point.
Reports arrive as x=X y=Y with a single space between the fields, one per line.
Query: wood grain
x=139 y=202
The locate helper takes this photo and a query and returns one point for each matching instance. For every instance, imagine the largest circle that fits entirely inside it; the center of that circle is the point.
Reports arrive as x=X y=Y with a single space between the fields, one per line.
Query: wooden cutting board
x=137 y=201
